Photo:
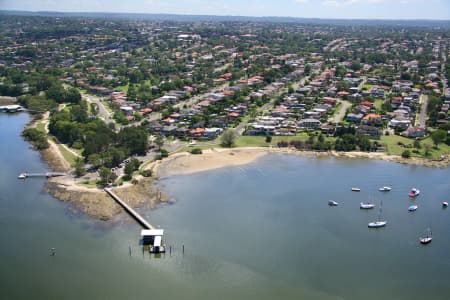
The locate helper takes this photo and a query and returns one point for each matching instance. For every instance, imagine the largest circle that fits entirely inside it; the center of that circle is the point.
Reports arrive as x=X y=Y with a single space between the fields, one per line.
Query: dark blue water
x=260 y=231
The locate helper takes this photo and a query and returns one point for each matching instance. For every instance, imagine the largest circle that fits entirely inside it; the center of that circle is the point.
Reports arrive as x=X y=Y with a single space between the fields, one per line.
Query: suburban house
x=371 y=119
x=354 y=118
x=309 y=123
x=371 y=131
x=400 y=122
x=413 y=132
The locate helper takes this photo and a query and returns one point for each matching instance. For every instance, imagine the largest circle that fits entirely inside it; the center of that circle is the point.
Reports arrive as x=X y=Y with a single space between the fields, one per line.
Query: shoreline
x=97 y=204
x=93 y=201
x=186 y=163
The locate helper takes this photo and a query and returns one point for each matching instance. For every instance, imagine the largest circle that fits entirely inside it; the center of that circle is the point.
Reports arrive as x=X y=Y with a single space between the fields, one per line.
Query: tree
x=268 y=139
x=95 y=160
x=406 y=154
x=72 y=96
x=321 y=139
x=36 y=137
x=227 y=139
x=94 y=109
x=159 y=142
x=56 y=93
x=417 y=144
x=427 y=150
x=132 y=166
x=438 y=137
x=135 y=139
x=106 y=176
x=79 y=167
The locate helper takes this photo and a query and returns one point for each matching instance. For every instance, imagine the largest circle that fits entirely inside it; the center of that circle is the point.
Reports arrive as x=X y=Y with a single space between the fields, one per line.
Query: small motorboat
x=385 y=189
x=413 y=208
x=22 y=176
x=444 y=204
x=366 y=205
x=356 y=189
x=377 y=224
x=414 y=192
x=427 y=238
x=332 y=203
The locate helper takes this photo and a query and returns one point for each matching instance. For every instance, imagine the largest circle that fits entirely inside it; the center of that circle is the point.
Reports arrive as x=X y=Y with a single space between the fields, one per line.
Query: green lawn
x=67 y=155
x=391 y=142
x=443 y=149
x=41 y=127
x=367 y=87
x=393 y=148
x=260 y=141
x=378 y=103
x=89 y=184
x=121 y=88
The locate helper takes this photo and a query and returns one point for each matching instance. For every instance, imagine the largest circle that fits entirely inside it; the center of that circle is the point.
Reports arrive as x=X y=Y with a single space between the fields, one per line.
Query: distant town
x=114 y=94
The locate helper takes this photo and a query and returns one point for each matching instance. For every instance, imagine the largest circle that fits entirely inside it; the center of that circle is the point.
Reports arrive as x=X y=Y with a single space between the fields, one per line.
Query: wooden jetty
x=129 y=210
x=149 y=235
x=47 y=175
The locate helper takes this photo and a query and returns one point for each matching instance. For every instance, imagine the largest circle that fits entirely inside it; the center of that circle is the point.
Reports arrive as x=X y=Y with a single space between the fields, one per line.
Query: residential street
x=421 y=121
x=339 y=116
x=102 y=111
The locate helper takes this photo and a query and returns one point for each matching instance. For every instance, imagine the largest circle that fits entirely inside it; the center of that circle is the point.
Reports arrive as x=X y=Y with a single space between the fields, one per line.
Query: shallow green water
x=261 y=231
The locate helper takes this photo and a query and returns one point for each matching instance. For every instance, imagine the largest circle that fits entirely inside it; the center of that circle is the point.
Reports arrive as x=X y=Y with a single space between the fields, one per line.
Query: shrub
x=147 y=173
x=126 y=177
x=164 y=153
x=36 y=137
x=282 y=144
x=406 y=154
x=196 y=151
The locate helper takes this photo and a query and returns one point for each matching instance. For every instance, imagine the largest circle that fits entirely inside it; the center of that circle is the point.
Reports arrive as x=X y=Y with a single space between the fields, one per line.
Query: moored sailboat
x=385 y=189
x=427 y=238
x=366 y=205
x=378 y=223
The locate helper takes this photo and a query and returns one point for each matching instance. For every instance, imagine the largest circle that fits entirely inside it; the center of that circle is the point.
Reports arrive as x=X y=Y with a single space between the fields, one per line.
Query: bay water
x=259 y=231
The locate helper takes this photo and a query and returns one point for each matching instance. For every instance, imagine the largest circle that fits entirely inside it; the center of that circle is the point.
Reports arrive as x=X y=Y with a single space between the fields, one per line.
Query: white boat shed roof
x=152 y=232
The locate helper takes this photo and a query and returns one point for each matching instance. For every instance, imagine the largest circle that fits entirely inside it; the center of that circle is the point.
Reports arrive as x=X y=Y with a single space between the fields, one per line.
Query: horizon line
x=217 y=15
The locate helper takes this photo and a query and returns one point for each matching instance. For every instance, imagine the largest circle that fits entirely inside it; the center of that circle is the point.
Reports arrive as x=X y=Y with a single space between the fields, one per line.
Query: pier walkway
x=131 y=211
x=48 y=175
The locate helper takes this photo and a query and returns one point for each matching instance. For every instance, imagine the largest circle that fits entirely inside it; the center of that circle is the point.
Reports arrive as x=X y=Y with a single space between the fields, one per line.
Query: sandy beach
x=186 y=163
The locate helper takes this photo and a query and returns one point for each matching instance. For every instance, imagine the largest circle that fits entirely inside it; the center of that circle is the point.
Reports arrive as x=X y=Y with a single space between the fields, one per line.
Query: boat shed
x=152 y=235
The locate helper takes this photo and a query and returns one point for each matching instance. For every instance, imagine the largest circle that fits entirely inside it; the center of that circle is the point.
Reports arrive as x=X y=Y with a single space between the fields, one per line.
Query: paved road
x=194 y=100
x=239 y=130
x=339 y=116
x=363 y=82
x=102 y=111
x=421 y=121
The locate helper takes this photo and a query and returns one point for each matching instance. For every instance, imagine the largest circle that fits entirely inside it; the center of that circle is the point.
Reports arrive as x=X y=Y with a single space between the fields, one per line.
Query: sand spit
x=98 y=204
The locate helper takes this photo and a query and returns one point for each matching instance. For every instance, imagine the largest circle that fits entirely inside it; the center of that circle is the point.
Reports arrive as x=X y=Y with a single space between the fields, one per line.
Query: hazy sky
x=372 y=9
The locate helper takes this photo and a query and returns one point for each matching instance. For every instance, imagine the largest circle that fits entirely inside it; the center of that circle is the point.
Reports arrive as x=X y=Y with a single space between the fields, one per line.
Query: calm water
x=261 y=231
